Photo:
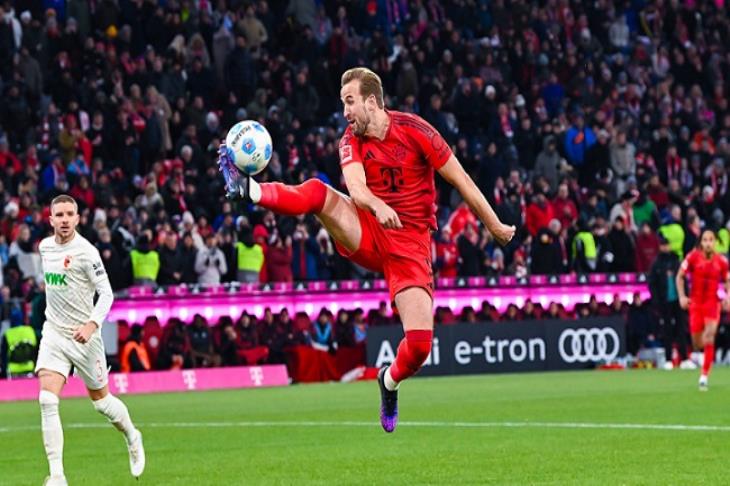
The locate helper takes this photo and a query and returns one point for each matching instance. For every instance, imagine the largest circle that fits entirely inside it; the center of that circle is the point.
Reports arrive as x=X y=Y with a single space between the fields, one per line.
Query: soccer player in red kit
x=705 y=269
x=388 y=162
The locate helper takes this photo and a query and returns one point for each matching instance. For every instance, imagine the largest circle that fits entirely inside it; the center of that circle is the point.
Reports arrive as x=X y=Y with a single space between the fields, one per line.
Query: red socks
x=709 y=358
x=308 y=197
x=412 y=352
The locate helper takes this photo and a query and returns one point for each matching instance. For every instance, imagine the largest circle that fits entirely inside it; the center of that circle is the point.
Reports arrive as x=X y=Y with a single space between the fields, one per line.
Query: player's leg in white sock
x=52 y=431
x=116 y=411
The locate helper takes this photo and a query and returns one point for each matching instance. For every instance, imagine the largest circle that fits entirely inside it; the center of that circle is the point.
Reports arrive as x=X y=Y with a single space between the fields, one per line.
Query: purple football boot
x=388 y=404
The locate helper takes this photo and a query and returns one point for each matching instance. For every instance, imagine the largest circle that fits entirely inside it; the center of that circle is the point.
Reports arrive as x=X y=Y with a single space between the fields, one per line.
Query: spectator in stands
x=545 y=256
x=171 y=262
x=278 y=259
x=360 y=327
x=672 y=230
x=210 y=262
x=584 y=251
x=145 y=262
x=250 y=257
x=323 y=336
x=539 y=213
x=470 y=260
x=647 y=248
x=188 y=254
x=201 y=344
x=18 y=347
x=623 y=160
x=306 y=254
x=550 y=165
x=134 y=355
x=175 y=351
x=445 y=254
x=622 y=247
x=578 y=140
x=564 y=208
x=344 y=329
x=251 y=348
x=24 y=252
x=273 y=336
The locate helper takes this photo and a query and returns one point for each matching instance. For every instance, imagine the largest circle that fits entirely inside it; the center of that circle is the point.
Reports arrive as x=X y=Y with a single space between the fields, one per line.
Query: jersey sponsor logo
x=55 y=279
x=392 y=178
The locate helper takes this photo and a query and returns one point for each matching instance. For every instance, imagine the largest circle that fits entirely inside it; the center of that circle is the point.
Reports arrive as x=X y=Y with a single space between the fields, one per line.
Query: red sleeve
x=430 y=142
x=724 y=268
x=349 y=149
x=689 y=262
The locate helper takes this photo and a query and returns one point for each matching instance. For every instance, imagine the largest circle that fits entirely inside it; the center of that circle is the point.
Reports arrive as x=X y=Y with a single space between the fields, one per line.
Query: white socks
x=52 y=431
x=114 y=409
x=390 y=383
x=254 y=190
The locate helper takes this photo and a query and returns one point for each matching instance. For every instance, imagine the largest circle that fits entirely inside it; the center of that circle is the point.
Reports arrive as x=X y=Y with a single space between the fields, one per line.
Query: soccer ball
x=248 y=145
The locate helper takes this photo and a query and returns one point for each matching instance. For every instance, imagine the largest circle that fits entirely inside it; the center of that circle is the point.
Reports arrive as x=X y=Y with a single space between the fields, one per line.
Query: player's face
x=708 y=242
x=355 y=108
x=64 y=219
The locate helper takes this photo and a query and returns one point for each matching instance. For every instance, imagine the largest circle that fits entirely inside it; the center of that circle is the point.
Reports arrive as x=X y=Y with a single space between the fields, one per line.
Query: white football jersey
x=73 y=272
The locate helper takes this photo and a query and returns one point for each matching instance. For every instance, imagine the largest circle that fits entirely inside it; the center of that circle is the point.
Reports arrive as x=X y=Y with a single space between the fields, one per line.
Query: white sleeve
x=100 y=280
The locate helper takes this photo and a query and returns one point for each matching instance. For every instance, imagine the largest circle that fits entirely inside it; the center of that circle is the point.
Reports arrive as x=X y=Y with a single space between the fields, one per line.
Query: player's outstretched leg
x=117 y=413
x=414 y=305
x=52 y=437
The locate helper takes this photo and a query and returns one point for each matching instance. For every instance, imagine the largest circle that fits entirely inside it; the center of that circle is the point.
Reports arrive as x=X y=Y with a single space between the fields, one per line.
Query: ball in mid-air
x=248 y=145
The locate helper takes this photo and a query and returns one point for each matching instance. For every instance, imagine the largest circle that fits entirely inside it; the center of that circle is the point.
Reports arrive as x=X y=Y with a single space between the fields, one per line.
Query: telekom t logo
x=257 y=375
x=121 y=382
x=189 y=379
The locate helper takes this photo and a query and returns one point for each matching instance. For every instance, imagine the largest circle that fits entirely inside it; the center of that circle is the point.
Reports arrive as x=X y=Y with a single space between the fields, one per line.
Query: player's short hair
x=64 y=198
x=370 y=83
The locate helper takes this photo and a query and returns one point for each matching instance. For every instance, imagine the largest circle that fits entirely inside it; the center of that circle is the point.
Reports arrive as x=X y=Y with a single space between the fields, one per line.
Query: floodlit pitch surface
x=596 y=427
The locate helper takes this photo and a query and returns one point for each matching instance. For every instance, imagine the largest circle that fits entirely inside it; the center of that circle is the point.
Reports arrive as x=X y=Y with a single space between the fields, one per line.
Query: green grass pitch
x=589 y=427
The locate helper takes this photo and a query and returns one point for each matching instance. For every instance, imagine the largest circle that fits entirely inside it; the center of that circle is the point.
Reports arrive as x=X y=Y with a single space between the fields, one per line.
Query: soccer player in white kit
x=73 y=272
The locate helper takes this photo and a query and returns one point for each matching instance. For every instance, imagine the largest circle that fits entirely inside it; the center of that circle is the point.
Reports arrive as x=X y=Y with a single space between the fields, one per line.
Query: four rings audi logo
x=588 y=345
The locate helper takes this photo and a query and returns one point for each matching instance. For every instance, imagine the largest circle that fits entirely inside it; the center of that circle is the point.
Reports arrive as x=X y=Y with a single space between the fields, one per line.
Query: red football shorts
x=403 y=255
x=700 y=313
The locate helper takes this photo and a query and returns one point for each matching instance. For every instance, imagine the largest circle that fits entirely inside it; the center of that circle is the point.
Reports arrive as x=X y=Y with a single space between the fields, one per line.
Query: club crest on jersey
x=399 y=152
x=67 y=261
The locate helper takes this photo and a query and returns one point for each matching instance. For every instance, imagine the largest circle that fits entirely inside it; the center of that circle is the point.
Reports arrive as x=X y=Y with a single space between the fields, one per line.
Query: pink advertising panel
x=214 y=304
x=160 y=382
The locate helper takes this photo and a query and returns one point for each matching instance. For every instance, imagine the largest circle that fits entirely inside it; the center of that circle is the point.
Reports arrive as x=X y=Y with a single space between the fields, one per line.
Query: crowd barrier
x=159 y=382
x=184 y=301
x=538 y=345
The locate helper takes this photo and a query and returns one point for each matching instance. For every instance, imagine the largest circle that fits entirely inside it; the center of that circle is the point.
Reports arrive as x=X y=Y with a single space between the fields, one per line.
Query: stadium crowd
x=599 y=128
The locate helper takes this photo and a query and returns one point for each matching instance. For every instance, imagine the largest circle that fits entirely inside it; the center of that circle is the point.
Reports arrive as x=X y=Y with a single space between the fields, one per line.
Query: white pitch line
x=374 y=424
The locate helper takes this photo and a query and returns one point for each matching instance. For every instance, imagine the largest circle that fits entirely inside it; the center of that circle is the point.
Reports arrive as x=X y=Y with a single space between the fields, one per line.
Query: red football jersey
x=705 y=275
x=400 y=168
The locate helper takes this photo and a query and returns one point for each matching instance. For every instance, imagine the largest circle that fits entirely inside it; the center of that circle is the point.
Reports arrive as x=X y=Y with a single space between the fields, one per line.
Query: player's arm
x=681 y=293
x=455 y=175
x=97 y=275
x=363 y=197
